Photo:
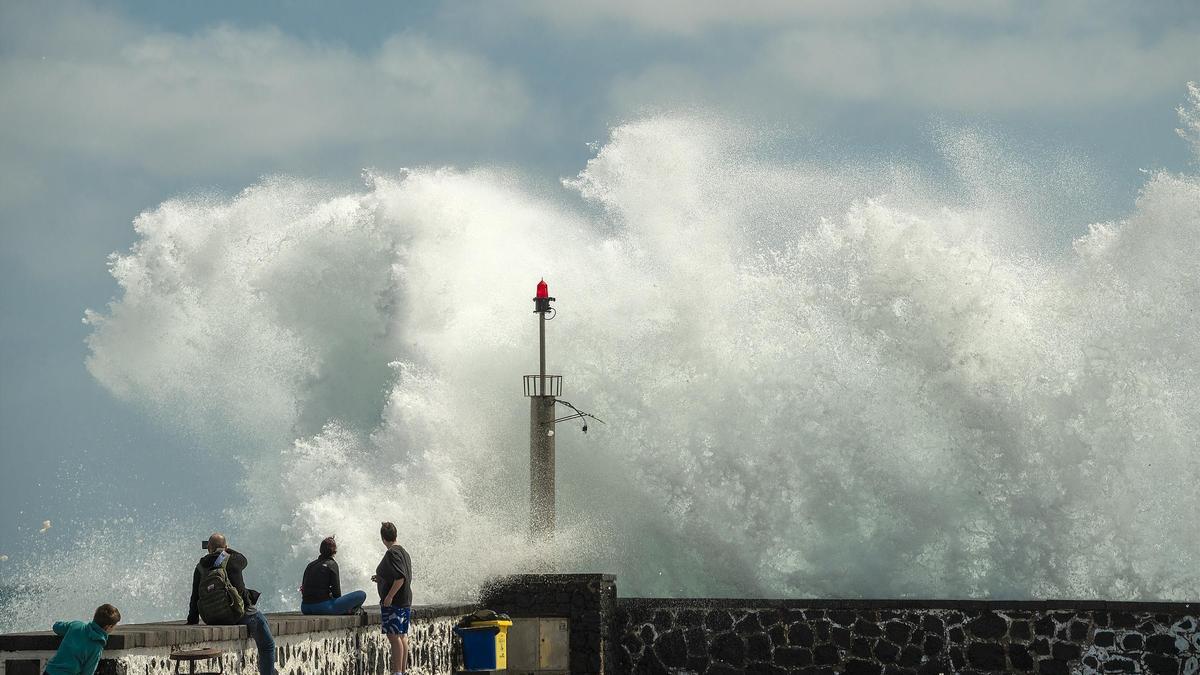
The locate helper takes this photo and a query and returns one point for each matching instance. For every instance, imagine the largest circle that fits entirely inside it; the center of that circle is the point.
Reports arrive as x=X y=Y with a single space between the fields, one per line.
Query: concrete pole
x=541 y=468
x=541 y=450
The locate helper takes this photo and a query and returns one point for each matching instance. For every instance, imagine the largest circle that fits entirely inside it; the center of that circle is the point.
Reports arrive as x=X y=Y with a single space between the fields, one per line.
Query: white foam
x=819 y=380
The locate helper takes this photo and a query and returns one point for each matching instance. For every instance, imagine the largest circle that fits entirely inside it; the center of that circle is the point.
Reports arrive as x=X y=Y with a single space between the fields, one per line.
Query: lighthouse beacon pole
x=541 y=392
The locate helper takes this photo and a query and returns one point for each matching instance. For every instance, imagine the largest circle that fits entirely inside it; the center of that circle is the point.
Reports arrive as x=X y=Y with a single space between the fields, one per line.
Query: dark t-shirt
x=395 y=565
x=321 y=581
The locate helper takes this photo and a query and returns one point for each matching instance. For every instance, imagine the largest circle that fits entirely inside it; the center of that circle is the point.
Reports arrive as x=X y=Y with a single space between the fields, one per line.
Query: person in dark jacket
x=393 y=577
x=321 y=589
x=82 y=643
x=253 y=619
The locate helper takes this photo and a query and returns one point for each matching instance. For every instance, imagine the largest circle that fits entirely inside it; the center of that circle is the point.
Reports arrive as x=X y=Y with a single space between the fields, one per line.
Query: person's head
x=328 y=547
x=387 y=532
x=216 y=542
x=107 y=617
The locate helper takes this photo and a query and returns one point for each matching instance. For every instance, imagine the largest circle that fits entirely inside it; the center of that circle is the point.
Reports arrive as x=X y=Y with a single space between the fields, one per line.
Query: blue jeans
x=343 y=605
x=256 y=624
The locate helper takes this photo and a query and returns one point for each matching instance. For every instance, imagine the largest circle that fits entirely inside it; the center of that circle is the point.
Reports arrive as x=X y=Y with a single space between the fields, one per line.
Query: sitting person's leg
x=323 y=607
x=256 y=624
x=348 y=603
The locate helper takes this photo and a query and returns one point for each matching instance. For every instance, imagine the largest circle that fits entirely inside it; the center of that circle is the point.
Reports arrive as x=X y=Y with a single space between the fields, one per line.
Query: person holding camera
x=321 y=588
x=394 y=580
x=220 y=598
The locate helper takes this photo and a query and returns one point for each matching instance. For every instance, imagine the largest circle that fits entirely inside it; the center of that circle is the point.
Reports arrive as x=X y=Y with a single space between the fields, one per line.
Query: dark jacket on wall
x=237 y=563
x=321 y=581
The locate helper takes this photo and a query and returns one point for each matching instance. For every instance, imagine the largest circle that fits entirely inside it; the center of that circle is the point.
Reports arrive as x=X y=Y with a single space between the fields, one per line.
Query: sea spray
x=819 y=380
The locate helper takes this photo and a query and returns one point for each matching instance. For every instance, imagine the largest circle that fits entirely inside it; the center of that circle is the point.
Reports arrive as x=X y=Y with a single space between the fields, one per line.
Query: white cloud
x=800 y=72
x=953 y=71
x=690 y=17
x=174 y=103
x=995 y=56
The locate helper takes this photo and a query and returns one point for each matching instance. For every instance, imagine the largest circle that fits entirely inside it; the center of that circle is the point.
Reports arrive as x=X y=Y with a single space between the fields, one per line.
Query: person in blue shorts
x=393 y=578
x=321 y=589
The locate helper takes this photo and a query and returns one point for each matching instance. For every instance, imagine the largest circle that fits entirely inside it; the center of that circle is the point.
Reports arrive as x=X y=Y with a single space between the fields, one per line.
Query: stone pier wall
x=715 y=637
x=305 y=645
x=607 y=635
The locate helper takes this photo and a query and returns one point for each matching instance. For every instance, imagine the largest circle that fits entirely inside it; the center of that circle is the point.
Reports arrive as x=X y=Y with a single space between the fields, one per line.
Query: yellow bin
x=485 y=644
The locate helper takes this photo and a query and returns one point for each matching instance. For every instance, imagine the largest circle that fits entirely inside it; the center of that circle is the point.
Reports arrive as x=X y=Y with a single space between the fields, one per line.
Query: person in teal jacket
x=82 y=643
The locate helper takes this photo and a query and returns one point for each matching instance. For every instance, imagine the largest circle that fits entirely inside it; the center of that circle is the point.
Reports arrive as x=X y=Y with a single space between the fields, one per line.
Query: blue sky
x=111 y=108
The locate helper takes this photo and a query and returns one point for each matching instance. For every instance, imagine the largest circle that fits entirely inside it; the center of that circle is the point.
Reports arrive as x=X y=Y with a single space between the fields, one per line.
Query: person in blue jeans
x=256 y=624
x=251 y=617
x=321 y=589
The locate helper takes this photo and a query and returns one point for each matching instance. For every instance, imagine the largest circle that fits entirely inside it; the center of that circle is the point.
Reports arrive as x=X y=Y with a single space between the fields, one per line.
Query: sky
x=110 y=108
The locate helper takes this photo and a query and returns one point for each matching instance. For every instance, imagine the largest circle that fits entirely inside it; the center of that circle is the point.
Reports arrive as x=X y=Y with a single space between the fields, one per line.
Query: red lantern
x=541 y=303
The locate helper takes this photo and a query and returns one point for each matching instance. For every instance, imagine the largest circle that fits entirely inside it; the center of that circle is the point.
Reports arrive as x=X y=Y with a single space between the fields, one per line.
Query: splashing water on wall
x=819 y=381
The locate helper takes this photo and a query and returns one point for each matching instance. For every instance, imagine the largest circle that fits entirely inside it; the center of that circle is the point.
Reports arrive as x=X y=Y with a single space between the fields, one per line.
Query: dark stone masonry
x=899 y=637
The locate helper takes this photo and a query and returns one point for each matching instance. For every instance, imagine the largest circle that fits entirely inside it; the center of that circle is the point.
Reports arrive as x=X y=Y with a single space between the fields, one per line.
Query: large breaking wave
x=819 y=380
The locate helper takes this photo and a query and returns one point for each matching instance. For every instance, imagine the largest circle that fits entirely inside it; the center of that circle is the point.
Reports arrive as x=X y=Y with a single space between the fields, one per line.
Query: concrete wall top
x=552 y=578
x=914 y=604
x=166 y=634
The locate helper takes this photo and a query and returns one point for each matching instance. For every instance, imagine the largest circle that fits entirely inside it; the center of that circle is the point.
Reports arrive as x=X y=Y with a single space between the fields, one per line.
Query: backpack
x=220 y=604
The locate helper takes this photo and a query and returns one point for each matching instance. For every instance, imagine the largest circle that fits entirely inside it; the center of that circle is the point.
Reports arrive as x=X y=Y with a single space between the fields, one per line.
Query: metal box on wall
x=539 y=646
